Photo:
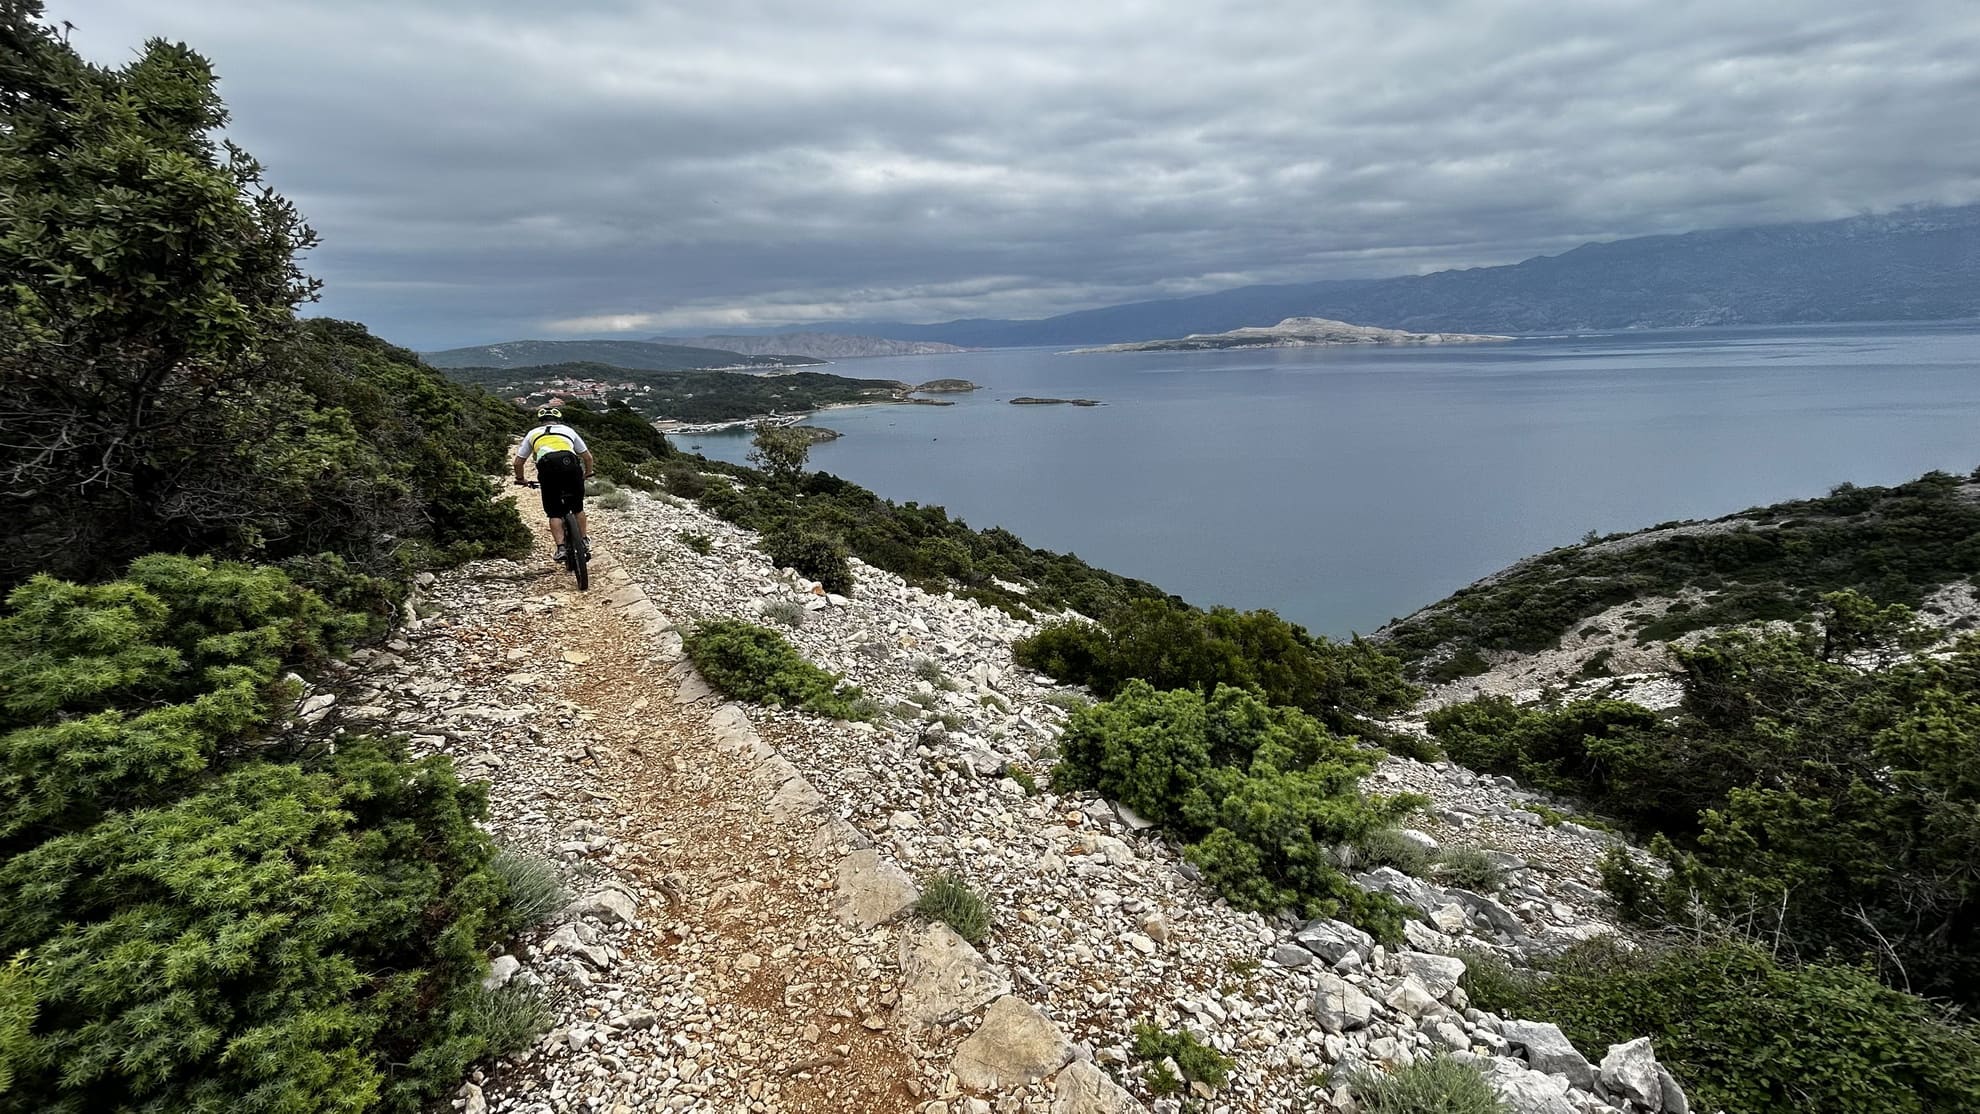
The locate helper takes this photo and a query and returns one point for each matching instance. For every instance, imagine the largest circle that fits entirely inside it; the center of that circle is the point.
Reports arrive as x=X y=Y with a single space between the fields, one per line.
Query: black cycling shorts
x=561 y=476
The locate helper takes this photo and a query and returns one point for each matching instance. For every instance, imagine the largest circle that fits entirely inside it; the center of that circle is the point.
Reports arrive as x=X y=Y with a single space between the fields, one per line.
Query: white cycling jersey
x=554 y=437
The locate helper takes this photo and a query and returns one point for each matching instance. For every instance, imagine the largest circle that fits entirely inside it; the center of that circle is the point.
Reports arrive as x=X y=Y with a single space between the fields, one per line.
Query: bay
x=1342 y=487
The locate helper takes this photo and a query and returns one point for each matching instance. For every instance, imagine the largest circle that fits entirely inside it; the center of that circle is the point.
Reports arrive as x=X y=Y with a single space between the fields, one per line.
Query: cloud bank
x=486 y=171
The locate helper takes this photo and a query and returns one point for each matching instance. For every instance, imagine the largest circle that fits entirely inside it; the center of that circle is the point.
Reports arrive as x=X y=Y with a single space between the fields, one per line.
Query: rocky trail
x=742 y=936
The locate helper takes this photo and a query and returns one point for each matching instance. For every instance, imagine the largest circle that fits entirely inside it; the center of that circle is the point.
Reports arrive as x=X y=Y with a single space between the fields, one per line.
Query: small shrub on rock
x=1388 y=847
x=698 y=542
x=535 y=891
x=755 y=663
x=1469 y=868
x=788 y=612
x=813 y=554
x=1438 y=1085
x=1197 y=1062
x=949 y=900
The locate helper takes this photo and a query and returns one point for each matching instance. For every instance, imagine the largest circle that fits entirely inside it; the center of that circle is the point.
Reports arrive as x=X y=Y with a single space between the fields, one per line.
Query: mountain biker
x=563 y=463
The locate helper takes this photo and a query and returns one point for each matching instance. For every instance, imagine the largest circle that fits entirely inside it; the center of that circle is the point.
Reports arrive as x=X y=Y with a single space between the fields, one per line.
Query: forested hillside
x=204 y=904
x=685 y=396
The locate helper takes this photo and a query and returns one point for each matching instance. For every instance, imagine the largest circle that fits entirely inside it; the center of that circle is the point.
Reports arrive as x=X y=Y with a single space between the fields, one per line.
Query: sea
x=1346 y=486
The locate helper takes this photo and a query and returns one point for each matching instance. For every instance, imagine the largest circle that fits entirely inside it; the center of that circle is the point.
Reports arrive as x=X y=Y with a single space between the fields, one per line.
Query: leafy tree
x=781 y=451
x=155 y=386
x=144 y=271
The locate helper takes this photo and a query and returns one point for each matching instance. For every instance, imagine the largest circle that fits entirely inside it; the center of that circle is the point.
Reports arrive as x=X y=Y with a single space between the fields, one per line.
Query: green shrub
x=1024 y=779
x=1387 y=847
x=754 y=663
x=1438 y=1085
x=209 y=909
x=1597 y=664
x=17 y=1010
x=533 y=890
x=684 y=480
x=1744 y=1033
x=615 y=501
x=1465 y=662
x=1067 y=701
x=1469 y=868
x=1172 y=646
x=510 y=1016
x=1403 y=744
x=1257 y=793
x=815 y=555
x=700 y=543
x=1198 y=1062
x=948 y=900
x=788 y=612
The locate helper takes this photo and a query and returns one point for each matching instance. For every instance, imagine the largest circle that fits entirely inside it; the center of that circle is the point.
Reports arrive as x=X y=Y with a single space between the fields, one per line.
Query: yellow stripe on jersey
x=543 y=444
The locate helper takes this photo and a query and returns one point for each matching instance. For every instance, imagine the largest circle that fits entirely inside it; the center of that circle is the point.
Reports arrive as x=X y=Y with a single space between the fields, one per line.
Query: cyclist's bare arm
x=589 y=465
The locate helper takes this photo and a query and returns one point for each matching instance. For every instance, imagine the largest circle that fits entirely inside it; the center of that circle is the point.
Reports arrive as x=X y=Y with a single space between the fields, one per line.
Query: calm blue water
x=1343 y=486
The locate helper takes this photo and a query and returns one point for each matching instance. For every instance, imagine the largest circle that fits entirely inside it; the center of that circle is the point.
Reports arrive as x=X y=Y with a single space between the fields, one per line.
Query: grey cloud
x=482 y=170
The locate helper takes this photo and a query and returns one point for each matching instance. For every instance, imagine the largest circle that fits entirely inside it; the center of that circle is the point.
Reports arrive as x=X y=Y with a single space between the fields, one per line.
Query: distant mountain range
x=1912 y=265
x=829 y=346
x=638 y=354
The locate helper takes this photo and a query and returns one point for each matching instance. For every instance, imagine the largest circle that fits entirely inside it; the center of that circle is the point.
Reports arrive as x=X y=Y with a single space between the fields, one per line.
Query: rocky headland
x=1294 y=332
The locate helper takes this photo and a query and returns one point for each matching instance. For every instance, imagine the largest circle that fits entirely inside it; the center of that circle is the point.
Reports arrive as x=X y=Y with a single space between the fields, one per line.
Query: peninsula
x=1293 y=332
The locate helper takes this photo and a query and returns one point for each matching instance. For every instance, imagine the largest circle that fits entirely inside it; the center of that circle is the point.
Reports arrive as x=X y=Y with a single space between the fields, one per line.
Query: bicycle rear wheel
x=575 y=556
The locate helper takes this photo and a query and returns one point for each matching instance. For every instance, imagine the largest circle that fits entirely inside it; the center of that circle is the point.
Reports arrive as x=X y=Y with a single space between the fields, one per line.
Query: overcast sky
x=497 y=169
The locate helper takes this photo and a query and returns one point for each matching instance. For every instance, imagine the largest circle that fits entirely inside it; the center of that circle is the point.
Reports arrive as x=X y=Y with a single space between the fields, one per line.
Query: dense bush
x=814 y=555
x=1259 y=794
x=755 y=663
x=1743 y=1033
x=1586 y=748
x=1437 y=1085
x=213 y=916
x=1829 y=806
x=1892 y=544
x=1173 y=646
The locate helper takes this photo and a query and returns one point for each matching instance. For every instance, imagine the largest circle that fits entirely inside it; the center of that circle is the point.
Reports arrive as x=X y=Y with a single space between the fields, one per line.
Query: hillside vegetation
x=204 y=904
x=1892 y=544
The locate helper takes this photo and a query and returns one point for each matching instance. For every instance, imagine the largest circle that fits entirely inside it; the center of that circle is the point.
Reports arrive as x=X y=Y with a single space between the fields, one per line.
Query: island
x=1294 y=332
x=947 y=386
x=1027 y=400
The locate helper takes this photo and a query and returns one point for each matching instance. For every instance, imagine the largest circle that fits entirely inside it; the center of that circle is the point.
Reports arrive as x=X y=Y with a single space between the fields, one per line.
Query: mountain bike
x=577 y=547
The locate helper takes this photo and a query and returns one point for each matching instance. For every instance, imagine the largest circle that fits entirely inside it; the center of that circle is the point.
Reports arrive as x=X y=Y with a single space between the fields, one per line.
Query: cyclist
x=563 y=463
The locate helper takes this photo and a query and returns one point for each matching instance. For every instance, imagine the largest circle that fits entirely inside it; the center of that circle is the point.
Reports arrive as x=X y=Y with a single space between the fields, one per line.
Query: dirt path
x=737 y=987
